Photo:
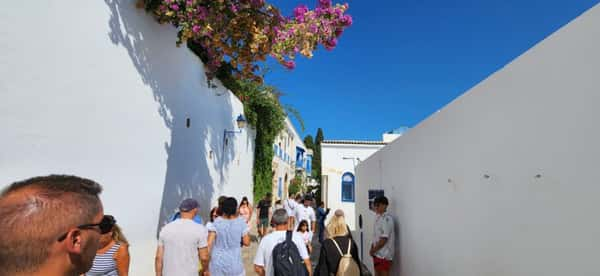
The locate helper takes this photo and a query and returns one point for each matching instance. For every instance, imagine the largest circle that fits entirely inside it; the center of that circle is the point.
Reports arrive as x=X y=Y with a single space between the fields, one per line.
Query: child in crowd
x=306 y=235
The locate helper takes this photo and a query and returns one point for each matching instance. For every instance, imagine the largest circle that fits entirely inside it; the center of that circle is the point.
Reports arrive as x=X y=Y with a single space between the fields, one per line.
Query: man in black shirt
x=264 y=211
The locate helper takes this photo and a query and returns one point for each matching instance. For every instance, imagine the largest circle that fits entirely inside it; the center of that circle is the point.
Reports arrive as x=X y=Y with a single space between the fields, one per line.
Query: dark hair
x=229 y=206
x=380 y=200
x=244 y=199
x=321 y=203
x=269 y=194
x=36 y=211
x=290 y=194
x=213 y=211
x=302 y=223
x=220 y=205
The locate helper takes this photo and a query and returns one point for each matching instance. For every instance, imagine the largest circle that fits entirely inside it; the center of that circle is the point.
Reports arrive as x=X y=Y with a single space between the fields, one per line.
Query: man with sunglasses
x=50 y=225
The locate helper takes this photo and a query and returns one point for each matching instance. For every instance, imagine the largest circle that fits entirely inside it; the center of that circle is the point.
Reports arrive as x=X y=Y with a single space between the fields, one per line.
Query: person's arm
x=204 y=256
x=260 y=270
x=211 y=239
x=246 y=240
x=158 y=260
x=122 y=260
x=377 y=246
x=313 y=218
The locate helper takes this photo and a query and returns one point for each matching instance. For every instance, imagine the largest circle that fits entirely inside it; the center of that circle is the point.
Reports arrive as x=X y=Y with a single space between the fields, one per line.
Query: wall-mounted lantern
x=241 y=124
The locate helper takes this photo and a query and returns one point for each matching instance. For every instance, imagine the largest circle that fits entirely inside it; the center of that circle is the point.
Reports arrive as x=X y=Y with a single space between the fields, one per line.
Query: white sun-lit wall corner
x=338 y=159
x=503 y=180
x=104 y=93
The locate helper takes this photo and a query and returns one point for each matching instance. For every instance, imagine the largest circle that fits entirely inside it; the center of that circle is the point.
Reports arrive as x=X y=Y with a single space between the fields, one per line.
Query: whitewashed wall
x=532 y=129
x=334 y=166
x=98 y=89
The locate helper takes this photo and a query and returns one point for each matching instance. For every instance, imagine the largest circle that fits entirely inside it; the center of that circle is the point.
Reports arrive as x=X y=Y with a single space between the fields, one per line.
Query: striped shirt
x=105 y=264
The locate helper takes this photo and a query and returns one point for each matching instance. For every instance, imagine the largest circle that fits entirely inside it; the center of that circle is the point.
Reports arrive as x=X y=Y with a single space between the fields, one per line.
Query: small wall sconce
x=241 y=124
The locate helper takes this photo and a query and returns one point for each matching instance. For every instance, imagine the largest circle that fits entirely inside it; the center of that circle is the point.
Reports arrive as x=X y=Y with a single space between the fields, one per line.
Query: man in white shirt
x=263 y=262
x=306 y=212
x=382 y=249
x=180 y=243
x=290 y=205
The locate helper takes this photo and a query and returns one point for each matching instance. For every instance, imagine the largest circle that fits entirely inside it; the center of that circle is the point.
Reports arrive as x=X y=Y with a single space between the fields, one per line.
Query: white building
x=338 y=159
x=291 y=158
x=99 y=89
x=503 y=180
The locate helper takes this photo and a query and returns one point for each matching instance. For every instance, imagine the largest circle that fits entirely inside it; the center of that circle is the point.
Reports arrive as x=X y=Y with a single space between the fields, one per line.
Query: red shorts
x=382 y=264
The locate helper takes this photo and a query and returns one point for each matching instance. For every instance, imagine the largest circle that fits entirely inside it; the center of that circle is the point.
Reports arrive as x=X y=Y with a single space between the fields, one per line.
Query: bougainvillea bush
x=241 y=34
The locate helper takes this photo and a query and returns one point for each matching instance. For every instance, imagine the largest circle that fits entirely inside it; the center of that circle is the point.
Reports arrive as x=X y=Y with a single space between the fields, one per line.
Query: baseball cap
x=188 y=204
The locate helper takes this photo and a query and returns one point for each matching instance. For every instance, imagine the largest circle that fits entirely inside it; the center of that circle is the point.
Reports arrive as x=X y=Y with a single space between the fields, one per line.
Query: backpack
x=347 y=266
x=287 y=260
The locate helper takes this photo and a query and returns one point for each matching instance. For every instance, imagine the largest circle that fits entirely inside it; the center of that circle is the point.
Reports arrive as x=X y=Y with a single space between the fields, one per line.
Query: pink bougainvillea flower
x=346 y=20
x=299 y=11
x=175 y=7
x=330 y=44
x=196 y=29
x=290 y=64
x=325 y=3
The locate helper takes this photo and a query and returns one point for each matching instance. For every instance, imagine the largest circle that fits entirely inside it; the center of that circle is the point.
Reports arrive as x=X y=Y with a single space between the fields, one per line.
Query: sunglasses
x=105 y=225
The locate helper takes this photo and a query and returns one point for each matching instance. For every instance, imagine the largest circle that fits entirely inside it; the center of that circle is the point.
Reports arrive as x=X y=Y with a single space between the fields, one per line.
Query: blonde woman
x=338 y=236
x=112 y=259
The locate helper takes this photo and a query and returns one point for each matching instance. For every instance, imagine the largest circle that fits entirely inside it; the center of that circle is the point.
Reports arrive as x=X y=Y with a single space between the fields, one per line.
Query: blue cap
x=188 y=204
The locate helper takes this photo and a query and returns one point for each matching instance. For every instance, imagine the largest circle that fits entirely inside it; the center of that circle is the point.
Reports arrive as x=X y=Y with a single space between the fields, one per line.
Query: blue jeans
x=321 y=231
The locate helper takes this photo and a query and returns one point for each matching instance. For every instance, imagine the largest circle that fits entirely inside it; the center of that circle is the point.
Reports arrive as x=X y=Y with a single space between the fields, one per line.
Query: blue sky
x=403 y=60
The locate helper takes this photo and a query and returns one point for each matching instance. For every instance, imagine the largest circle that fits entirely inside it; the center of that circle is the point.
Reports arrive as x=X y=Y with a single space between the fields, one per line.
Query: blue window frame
x=348 y=187
x=280 y=188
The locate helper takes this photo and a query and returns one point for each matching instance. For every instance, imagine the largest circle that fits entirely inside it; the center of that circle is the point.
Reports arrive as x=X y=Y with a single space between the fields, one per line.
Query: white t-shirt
x=304 y=213
x=290 y=206
x=181 y=240
x=384 y=228
x=264 y=254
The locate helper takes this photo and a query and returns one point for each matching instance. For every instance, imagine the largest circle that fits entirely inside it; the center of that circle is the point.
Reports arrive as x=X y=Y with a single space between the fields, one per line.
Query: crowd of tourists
x=55 y=225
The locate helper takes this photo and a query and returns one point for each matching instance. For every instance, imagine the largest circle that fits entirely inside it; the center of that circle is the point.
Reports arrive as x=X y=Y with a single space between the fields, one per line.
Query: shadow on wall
x=196 y=163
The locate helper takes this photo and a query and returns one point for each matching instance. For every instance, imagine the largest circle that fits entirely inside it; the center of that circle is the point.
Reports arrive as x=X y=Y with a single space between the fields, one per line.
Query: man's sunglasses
x=105 y=226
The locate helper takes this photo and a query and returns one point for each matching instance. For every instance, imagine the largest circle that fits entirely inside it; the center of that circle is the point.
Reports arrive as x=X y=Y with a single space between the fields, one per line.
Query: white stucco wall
x=334 y=166
x=98 y=89
x=531 y=128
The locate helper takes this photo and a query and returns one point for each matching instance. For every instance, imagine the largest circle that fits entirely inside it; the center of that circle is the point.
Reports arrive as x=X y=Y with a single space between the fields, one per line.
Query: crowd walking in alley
x=44 y=236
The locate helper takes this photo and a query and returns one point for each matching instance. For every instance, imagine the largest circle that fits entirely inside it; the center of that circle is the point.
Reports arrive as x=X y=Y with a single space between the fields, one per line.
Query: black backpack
x=287 y=260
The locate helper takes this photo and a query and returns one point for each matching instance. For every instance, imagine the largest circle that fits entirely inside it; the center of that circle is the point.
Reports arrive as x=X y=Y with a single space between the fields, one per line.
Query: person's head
x=380 y=204
x=244 y=202
x=268 y=196
x=219 y=204
x=51 y=220
x=302 y=226
x=115 y=234
x=298 y=198
x=213 y=214
x=279 y=220
x=188 y=208
x=337 y=225
x=229 y=207
x=321 y=204
x=290 y=195
x=307 y=200
x=278 y=202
